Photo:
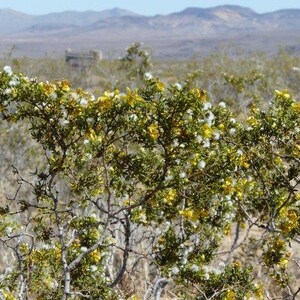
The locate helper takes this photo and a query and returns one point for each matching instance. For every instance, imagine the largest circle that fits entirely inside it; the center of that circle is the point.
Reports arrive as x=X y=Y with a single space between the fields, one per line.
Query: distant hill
x=176 y=35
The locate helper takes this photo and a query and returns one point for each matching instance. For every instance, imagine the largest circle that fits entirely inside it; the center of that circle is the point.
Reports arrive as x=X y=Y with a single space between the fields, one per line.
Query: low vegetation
x=152 y=181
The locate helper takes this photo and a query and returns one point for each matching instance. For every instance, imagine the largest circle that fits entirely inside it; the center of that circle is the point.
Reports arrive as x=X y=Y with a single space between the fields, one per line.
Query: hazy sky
x=145 y=7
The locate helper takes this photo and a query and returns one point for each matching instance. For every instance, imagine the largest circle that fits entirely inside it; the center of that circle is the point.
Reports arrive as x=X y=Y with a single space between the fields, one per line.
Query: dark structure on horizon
x=82 y=60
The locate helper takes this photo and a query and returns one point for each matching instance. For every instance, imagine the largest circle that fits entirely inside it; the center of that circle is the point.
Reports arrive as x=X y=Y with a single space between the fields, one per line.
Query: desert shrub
x=147 y=185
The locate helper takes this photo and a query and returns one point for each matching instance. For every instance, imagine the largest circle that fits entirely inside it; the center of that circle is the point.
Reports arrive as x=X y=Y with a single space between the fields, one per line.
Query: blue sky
x=145 y=7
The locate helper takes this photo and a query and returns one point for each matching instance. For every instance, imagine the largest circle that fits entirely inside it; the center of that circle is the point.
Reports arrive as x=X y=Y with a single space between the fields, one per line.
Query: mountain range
x=183 y=34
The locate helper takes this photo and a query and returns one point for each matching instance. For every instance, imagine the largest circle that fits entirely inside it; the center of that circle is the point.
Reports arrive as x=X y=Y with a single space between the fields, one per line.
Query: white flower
x=233 y=120
x=229 y=203
x=53 y=95
x=83 y=102
x=75 y=96
x=201 y=164
x=175 y=143
x=199 y=139
x=206 y=276
x=222 y=265
x=182 y=174
x=228 y=197
x=54 y=284
x=7 y=91
x=65 y=122
x=83 y=249
x=184 y=260
x=7 y=70
x=194 y=268
x=133 y=117
x=85 y=142
x=207 y=269
x=210 y=118
x=8 y=230
x=148 y=76
x=178 y=86
x=8 y=270
x=232 y=131
x=90 y=120
x=222 y=104
x=93 y=268
x=167 y=226
x=46 y=246
x=175 y=270
x=218 y=271
x=189 y=112
x=239 y=152
x=13 y=83
x=206 y=143
x=169 y=178
x=216 y=135
x=206 y=106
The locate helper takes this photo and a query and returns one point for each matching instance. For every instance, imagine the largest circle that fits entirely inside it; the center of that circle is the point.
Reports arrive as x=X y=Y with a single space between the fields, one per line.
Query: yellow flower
x=296 y=107
x=259 y=293
x=252 y=121
x=153 y=131
x=94 y=233
x=199 y=94
x=207 y=131
x=76 y=243
x=290 y=220
x=170 y=196
x=132 y=97
x=177 y=130
x=278 y=160
x=227 y=229
x=243 y=161
x=57 y=253
x=283 y=263
x=8 y=296
x=296 y=150
x=228 y=186
x=23 y=248
x=187 y=213
x=49 y=88
x=221 y=127
x=190 y=214
x=283 y=94
x=64 y=85
x=106 y=101
x=230 y=295
x=159 y=87
x=92 y=136
x=95 y=255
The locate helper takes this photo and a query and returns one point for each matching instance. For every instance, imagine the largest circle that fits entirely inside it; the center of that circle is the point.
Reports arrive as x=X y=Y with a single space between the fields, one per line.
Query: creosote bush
x=156 y=176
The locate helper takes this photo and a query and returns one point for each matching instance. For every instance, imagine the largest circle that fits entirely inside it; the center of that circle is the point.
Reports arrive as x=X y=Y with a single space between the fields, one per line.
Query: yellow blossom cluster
x=153 y=131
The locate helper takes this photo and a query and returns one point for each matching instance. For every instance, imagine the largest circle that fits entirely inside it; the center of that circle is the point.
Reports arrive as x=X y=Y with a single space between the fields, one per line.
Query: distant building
x=82 y=60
